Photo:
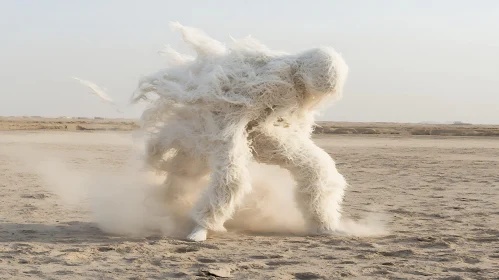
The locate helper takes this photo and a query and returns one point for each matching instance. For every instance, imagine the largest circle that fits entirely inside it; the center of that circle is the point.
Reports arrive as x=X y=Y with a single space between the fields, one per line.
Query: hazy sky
x=410 y=61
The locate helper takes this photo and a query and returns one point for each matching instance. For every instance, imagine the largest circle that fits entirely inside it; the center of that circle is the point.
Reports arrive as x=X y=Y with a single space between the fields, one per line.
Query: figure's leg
x=229 y=182
x=320 y=187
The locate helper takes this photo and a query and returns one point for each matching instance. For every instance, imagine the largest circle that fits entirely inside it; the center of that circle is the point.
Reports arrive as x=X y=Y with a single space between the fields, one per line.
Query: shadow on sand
x=68 y=232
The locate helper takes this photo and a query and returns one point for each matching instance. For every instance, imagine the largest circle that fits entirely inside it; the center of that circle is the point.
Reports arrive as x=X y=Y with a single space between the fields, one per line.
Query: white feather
x=98 y=91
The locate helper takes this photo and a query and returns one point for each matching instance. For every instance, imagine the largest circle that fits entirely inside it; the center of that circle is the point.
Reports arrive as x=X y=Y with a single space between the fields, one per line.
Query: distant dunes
x=457 y=129
x=102 y=124
x=69 y=124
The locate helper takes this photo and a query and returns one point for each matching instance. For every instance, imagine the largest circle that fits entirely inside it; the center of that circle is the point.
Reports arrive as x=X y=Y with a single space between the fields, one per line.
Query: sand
x=440 y=195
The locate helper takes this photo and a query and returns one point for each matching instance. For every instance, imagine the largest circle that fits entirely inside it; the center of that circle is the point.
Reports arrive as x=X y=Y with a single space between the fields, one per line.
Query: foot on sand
x=198 y=234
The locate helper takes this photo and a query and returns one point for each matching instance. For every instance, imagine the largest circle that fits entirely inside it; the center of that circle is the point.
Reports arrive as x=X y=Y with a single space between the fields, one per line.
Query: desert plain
x=436 y=188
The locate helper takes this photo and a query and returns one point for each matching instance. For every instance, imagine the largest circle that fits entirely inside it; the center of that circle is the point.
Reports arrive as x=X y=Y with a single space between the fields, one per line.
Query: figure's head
x=322 y=72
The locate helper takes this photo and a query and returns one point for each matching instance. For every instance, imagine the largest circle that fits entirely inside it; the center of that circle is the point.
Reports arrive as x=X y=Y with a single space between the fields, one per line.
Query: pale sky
x=410 y=61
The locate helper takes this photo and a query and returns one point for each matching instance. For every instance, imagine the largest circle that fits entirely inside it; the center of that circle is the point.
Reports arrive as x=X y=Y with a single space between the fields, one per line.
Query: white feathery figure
x=101 y=93
x=230 y=105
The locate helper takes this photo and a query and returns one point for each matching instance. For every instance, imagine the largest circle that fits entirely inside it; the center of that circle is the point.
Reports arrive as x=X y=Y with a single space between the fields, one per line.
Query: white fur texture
x=212 y=114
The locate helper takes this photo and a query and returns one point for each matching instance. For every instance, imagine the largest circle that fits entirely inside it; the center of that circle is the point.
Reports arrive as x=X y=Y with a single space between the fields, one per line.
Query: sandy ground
x=441 y=196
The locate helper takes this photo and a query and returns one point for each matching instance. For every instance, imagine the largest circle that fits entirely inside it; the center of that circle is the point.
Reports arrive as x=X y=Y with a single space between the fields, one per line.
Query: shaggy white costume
x=214 y=113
